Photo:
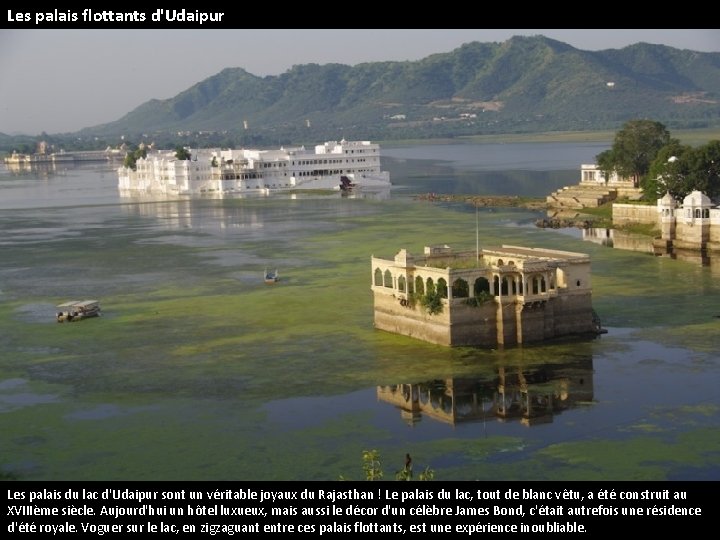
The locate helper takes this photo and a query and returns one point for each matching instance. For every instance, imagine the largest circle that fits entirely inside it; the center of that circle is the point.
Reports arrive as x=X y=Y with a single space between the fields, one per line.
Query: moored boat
x=271 y=276
x=75 y=310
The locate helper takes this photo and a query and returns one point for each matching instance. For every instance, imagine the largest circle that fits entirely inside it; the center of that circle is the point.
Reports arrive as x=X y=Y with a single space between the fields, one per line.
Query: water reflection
x=530 y=395
x=190 y=214
x=41 y=170
x=645 y=244
x=278 y=215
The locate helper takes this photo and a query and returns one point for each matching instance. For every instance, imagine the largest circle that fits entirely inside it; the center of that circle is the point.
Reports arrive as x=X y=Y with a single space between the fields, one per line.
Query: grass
x=646 y=229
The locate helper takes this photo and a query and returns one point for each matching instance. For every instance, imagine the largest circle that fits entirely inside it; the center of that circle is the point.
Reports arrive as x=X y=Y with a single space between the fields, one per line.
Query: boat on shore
x=271 y=276
x=75 y=310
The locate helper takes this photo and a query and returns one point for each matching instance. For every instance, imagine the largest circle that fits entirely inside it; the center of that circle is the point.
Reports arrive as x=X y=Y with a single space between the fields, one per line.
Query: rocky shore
x=512 y=201
x=486 y=200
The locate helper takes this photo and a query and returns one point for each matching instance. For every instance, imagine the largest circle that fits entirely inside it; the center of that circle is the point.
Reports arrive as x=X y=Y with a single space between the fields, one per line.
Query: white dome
x=697 y=199
x=667 y=200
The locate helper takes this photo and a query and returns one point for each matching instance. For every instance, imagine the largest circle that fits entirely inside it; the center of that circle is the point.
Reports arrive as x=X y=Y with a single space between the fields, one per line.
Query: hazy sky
x=63 y=80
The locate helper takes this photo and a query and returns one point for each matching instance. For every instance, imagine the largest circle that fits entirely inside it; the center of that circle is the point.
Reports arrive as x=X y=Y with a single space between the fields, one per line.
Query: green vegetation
x=524 y=85
x=372 y=468
x=634 y=148
x=133 y=155
x=644 y=150
x=483 y=297
x=182 y=153
x=679 y=169
x=646 y=229
x=432 y=302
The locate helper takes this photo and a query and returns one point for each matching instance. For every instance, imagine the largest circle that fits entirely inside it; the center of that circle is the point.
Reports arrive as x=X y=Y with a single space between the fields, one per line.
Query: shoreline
x=482 y=201
x=581 y=221
x=687 y=136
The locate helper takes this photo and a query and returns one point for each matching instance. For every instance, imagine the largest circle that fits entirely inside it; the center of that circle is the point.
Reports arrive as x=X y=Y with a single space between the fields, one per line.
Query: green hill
x=521 y=85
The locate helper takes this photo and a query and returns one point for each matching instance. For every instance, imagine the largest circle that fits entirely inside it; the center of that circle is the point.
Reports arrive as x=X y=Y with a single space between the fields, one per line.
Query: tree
x=133 y=155
x=680 y=169
x=634 y=148
x=669 y=172
x=705 y=169
x=182 y=153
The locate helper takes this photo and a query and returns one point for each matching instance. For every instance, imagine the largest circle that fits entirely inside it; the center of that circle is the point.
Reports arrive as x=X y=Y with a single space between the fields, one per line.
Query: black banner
x=330 y=508
x=236 y=16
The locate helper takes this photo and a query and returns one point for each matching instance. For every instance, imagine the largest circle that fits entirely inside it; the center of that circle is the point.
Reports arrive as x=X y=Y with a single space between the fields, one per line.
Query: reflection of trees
x=530 y=395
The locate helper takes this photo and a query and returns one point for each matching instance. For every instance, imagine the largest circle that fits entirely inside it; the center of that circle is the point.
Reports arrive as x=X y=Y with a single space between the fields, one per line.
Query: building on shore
x=501 y=296
x=594 y=189
x=350 y=164
x=692 y=225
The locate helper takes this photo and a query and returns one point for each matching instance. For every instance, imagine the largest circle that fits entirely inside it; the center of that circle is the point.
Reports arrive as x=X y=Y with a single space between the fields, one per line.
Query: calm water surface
x=198 y=370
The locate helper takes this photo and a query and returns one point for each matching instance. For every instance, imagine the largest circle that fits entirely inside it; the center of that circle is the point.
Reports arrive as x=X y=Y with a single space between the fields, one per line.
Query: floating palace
x=248 y=171
x=494 y=296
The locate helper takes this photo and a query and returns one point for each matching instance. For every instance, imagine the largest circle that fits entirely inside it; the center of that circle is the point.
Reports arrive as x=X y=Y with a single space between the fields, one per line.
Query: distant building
x=500 y=296
x=594 y=189
x=257 y=171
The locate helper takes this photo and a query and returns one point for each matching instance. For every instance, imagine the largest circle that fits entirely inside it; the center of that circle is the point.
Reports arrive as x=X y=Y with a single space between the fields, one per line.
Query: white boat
x=76 y=310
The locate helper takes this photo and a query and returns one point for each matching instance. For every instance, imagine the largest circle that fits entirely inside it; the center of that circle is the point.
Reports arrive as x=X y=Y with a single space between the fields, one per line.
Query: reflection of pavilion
x=532 y=395
x=183 y=213
x=620 y=239
x=40 y=169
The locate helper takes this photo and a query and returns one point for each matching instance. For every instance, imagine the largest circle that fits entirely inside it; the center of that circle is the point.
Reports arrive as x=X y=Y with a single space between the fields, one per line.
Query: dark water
x=198 y=370
x=527 y=169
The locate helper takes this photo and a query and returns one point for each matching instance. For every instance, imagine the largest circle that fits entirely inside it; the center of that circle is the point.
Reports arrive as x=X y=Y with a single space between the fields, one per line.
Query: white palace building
x=330 y=165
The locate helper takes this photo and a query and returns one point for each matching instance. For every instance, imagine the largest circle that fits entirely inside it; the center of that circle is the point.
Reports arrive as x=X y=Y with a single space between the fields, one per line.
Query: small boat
x=346 y=185
x=271 y=276
x=75 y=310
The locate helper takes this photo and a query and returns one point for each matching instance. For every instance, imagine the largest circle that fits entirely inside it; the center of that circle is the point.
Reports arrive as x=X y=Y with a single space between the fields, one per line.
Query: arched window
x=706 y=213
x=419 y=287
x=536 y=285
x=496 y=285
x=504 y=290
x=378 y=277
x=429 y=286
x=542 y=285
x=514 y=286
x=442 y=288
x=401 y=284
x=410 y=286
x=388 y=279
x=500 y=262
x=460 y=288
x=698 y=213
x=481 y=285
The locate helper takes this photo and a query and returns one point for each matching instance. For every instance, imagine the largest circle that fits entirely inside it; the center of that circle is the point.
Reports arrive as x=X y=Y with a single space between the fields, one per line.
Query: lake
x=199 y=370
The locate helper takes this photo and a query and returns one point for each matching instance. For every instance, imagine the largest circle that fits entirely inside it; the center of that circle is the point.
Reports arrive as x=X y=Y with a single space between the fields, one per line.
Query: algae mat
x=199 y=370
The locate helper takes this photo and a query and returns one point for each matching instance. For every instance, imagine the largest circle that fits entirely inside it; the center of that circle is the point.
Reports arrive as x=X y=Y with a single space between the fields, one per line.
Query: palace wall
x=623 y=214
